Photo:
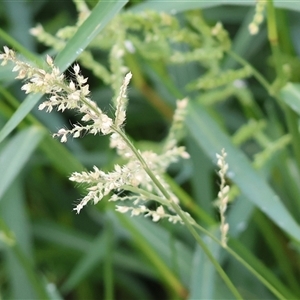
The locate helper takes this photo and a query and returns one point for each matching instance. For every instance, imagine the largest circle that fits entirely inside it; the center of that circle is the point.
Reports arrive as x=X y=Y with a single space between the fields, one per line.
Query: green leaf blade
x=16 y=153
x=103 y=12
x=169 y=6
x=290 y=94
x=211 y=139
x=100 y=16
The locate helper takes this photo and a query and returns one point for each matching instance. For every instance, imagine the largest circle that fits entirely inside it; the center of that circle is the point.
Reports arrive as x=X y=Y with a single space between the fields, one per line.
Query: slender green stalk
x=188 y=224
x=21 y=49
x=108 y=263
x=273 y=289
x=273 y=39
x=182 y=215
x=279 y=251
x=243 y=262
x=255 y=73
x=185 y=219
x=145 y=193
x=261 y=278
x=188 y=202
x=291 y=117
x=207 y=251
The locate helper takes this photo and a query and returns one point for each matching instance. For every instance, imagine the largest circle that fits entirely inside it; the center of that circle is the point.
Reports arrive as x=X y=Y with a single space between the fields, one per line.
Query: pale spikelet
x=258 y=17
x=223 y=195
x=120 y=113
x=134 y=175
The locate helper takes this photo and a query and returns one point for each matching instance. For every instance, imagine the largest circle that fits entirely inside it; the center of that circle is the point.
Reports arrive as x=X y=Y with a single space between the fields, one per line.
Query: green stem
x=143 y=162
x=149 y=195
x=188 y=202
x=108 y=263
x=261 y=278
x=291 y=117
x=21 y=49
x=273 y=39
x=219 y=269
x=243 y=262
x=187 y=221
x=255 y=73
x=184 y=217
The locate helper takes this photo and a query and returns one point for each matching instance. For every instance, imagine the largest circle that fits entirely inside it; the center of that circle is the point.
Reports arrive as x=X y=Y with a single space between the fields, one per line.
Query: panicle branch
x=135 y=177
x=223 y=195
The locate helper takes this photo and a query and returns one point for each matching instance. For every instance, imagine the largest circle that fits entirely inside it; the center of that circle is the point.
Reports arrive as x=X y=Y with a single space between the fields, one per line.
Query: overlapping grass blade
x=15 y=154
x=100 y=16
x=103 y=12
x=211 y=139
x=203 y=273
x=92 y=257
x=24 y=280
x=273 y=283
x=152 y=243
x=13 y=213
x=291 y=96
x=179 y=6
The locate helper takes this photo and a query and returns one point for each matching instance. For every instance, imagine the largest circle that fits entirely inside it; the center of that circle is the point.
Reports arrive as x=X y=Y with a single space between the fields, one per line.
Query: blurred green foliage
x=240 y=101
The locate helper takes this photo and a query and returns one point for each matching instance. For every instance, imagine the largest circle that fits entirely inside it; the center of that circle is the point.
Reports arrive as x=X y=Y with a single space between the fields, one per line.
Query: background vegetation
x=247 y=101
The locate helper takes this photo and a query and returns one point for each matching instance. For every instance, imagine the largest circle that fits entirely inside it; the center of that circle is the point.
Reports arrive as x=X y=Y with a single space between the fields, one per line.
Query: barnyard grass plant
x=143 y=173
x=134 y=176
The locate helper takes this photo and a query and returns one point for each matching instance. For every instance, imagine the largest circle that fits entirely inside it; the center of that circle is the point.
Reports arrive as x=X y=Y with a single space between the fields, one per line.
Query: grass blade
x=103 y=12
x=170 y=6
x=24 y=282
x=88 y=262
x=25 y=107
x=211 y=139
x=291 y=96
x=203 y=274
x=13 y=213
x=100 y=16
x=16 y=153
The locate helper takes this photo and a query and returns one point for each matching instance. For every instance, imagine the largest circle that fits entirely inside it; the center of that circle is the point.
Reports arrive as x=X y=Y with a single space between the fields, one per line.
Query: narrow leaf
x=87 y=263
x=24 y=109
x=103 y=12
x=15 y=154
x=203 y=272
x=13 y=213
x=211 y=139
x=291 y=96
x=174 y=7
x=100 y=16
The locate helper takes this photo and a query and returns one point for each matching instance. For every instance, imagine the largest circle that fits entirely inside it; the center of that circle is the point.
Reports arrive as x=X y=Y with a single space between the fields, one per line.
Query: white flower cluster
x=156 y=215
x=132 y=176
x=142 y=175
x=40 y=80
x=63 y=94
x=223 y=195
